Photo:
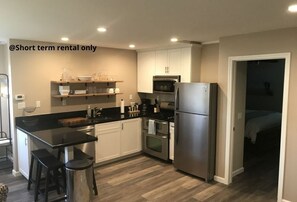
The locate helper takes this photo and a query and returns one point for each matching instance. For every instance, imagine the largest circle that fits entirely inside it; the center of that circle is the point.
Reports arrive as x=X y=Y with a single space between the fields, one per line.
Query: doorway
x=232 y=72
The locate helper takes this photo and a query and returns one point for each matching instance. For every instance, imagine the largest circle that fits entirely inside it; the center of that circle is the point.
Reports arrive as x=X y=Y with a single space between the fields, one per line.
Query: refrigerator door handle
x=177 y=98
x=176 y=126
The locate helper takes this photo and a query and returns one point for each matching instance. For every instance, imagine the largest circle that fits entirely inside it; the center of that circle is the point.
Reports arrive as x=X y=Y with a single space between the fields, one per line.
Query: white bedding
x=257 y=121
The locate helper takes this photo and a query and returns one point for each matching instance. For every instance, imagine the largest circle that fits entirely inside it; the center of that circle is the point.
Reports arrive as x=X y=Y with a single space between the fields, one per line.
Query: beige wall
x=32 y=72
x=277 y=41
x=209 y=63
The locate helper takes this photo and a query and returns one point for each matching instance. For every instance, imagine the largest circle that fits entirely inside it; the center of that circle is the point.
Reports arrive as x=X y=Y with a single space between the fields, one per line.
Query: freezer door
x=192 y=98
x=191 y=144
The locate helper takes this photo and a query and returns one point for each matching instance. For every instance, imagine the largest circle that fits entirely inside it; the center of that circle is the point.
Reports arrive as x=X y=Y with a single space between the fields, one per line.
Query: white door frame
x=230 y=114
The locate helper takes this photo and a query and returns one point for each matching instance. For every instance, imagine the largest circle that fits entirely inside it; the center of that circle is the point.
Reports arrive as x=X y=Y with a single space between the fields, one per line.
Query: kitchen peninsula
x=47 y=131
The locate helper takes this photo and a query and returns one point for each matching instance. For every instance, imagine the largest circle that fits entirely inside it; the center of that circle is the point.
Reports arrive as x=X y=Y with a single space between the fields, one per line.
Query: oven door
x=156 y=145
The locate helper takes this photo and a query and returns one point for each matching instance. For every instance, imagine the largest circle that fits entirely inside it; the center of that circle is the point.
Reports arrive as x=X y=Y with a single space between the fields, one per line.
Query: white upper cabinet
x=168 y=62
x=145 y=71
x=179 y=61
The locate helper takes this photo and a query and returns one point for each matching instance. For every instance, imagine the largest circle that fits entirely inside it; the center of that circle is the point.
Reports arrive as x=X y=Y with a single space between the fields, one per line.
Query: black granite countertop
x=30 y=124
x=62 y=137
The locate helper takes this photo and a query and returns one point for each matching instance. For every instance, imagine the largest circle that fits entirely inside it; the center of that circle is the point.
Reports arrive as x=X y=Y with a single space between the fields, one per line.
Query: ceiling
x=145 y=23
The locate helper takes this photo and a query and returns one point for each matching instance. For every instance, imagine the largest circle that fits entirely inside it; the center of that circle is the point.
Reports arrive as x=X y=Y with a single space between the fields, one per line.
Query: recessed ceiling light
x=65 y=39
x=173 y=39
x=131 y=46
x=101 y=29
x=293 y=8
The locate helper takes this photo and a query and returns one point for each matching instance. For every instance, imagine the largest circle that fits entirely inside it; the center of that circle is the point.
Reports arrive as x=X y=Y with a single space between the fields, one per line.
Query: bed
x=262 y=126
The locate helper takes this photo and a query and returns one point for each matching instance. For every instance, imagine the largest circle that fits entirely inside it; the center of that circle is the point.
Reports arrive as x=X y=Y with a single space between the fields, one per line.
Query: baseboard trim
x=220 y=179
x=238 y=171
x=283 y=200
x=16 y=173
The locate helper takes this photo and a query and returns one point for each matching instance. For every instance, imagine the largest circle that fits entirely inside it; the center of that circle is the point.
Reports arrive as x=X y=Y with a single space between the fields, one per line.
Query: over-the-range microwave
x=165 y=84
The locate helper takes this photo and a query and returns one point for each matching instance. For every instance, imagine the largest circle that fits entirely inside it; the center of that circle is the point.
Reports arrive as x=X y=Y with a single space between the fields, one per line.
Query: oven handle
x=161 y=122
x=157 y=136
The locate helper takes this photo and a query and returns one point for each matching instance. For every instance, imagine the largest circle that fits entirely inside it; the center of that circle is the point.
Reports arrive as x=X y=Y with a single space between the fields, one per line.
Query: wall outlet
x=37 y=103
x=21 y=105
x=130 y=96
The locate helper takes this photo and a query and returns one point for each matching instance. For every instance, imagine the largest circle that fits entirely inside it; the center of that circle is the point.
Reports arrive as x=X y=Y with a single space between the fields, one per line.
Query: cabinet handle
x=122 y=126
x=26 y=141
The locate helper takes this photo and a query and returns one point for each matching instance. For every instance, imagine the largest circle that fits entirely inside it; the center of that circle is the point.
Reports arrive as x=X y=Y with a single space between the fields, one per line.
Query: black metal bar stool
x=45 y=160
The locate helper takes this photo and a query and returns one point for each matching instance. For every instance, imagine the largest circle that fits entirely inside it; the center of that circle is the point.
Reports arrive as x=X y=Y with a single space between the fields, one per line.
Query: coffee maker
x=144 y=105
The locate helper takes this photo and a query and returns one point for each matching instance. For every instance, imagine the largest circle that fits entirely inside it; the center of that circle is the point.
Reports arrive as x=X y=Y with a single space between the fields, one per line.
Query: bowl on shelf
x=64 y=90
x=84 y=78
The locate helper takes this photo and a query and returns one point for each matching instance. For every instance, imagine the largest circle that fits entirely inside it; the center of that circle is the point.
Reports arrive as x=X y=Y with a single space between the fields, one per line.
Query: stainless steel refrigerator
x=195 y=128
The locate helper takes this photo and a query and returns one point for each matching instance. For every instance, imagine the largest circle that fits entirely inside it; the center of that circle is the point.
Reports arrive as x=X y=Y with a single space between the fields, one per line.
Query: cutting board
x=72 y=121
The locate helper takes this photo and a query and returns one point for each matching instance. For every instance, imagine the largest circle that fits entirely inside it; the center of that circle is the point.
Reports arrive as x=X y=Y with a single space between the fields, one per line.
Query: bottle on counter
x=122 y=106
x=89 y=111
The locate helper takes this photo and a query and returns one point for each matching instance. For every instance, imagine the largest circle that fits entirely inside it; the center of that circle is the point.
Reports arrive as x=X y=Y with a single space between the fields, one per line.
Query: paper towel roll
x=122 y=106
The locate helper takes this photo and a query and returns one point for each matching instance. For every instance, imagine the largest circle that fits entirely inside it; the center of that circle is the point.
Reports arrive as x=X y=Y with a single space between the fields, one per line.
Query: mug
x=117 y=90
x=110 y=90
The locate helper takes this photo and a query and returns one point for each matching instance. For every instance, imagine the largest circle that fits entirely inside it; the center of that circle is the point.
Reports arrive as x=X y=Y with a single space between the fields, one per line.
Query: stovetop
x=167 y=115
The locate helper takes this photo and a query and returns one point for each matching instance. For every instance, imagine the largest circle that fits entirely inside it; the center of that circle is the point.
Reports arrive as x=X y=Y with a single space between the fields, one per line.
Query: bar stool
x=47 y=161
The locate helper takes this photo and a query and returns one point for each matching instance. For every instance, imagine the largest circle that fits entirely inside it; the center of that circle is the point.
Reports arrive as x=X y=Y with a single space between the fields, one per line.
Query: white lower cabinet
x=171 y=141
x=24 y=152
x=131 y=136
x=117 y=139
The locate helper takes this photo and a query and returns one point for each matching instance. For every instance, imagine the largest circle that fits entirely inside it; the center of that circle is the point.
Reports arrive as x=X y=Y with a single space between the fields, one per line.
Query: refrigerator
x=195 y=128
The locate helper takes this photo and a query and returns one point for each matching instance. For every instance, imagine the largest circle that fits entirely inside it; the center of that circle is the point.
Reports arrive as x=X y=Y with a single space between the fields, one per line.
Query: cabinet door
x=161 y=62
x=24 y=151
x=145 y=71
x=186 y=65
x=174 y=62
x=131 y=136
x=108 y=145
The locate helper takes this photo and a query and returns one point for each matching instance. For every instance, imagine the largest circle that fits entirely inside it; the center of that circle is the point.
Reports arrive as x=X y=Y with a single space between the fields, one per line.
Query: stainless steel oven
x=164 y=84
x=156 y=142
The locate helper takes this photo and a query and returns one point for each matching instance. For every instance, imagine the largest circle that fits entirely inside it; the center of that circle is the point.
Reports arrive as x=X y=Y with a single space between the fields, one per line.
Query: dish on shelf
x=79 y=92
x=64 y=90
x=84 y=78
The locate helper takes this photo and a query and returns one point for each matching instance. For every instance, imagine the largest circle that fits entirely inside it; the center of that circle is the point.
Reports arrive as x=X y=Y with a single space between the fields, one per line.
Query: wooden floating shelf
x=76 y=81
x=85 y=95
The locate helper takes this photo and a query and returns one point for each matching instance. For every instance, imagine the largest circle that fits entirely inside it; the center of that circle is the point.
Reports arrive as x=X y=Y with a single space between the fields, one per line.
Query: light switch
x=239 y=116
x=37 y=103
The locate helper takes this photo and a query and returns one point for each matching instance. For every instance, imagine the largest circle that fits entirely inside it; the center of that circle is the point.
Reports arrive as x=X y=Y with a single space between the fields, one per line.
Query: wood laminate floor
x=143 y=178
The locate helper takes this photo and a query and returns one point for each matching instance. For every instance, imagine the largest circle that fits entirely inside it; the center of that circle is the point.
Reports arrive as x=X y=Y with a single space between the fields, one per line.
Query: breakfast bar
x=62 y=138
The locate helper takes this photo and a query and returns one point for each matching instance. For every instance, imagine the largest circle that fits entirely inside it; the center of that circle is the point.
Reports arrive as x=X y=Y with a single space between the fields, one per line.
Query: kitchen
x=111 y=62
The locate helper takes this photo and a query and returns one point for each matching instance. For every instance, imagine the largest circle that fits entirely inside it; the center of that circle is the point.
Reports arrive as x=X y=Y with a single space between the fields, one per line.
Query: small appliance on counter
x=144 y=105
